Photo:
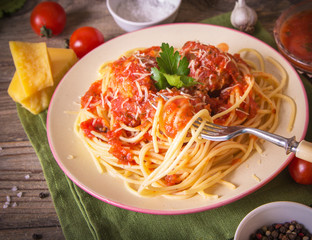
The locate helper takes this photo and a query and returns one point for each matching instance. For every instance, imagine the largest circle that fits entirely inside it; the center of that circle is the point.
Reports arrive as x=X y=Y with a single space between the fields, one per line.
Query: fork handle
x=301 y=149
x=304 y=151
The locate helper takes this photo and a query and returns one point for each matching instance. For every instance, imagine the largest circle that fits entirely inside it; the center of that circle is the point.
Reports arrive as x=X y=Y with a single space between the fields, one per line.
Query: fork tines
x=209 y=126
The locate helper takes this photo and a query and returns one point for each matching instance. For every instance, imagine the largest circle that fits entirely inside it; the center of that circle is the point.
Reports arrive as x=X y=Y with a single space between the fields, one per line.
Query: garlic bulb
x=243 y=17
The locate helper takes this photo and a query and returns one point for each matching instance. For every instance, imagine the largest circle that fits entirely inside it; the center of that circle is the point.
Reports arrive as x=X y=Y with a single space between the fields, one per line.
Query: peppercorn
x=43 y=195
x=275 y=234
x=282 y=231
x=291 y=227
x=36 y=236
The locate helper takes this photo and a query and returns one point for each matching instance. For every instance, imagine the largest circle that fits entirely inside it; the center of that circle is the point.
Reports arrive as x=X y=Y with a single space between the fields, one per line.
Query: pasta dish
x=141 y=130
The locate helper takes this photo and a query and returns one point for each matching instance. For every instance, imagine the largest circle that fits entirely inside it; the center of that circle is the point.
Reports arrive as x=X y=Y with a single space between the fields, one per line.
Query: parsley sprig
x=173 y=71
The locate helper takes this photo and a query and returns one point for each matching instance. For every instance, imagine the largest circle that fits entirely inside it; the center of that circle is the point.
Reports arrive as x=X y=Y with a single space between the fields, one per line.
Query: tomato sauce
x=133 y=85
x=128 y=95
x=172 y=180
x=92 y=97
x=131 y=90
x=93 y=124
x=210 y=66
x=176 y=115
x=296 y=35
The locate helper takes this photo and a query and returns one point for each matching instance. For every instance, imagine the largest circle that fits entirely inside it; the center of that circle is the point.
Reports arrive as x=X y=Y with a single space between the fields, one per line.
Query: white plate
x=82 y=171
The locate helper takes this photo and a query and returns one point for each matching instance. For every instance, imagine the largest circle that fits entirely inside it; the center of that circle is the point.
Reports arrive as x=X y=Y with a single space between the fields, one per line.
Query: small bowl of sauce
x=293 y=36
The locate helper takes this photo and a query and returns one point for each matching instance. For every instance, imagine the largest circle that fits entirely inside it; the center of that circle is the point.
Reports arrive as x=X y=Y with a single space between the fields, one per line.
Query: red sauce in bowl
x=296 y=35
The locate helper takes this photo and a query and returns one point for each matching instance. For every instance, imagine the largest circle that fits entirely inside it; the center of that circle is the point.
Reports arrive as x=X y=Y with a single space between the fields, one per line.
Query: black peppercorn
x=43 y=195
x=275 y=234
x=36 y=236
x=282 y=231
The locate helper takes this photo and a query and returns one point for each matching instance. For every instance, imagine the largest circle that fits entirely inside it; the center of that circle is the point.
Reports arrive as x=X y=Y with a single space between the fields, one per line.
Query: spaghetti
x=151 y=144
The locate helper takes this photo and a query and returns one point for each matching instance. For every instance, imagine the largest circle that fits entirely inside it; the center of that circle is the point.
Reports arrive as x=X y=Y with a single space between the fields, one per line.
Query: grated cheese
x=102 y=100
x=139 y=89
x=122 y=105
x=239 y=110
x=88 y=103
x=91 y=105
x=108 y=102
x=127 y=67
x=142 y=75
x=115 y=94
x=256 y=178
x=145 y=93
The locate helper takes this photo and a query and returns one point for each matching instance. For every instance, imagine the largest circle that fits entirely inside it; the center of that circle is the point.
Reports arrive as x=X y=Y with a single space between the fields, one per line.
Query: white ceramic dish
x=80 y=169
x=129 y=23
x=275 y=212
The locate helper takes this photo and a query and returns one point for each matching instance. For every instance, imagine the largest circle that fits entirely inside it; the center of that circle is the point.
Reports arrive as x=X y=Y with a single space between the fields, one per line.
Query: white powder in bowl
x=145 y=10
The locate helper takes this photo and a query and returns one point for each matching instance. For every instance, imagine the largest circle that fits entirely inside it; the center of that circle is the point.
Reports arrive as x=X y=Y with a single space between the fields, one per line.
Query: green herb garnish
x=173 y=71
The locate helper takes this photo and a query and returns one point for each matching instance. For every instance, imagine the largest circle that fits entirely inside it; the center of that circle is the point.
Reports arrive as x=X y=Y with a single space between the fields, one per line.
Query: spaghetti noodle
x=152 y=145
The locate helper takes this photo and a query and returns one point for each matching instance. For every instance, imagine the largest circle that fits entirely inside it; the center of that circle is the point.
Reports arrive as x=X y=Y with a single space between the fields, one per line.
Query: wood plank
x=46 y=233
x=34 y=215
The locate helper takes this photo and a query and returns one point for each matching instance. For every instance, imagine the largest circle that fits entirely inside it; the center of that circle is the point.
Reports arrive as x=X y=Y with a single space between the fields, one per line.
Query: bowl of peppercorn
x=277 y=220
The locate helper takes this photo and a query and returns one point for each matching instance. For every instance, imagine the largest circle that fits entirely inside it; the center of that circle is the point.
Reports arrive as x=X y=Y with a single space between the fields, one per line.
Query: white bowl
x=275 y=212
x=144 y=13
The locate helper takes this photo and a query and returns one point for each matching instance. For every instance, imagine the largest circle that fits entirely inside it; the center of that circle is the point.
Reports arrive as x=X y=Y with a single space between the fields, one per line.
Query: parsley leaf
x=173 y=71
x=178 y=81
x=183 y=67
x=160 y=79
x=174 y=80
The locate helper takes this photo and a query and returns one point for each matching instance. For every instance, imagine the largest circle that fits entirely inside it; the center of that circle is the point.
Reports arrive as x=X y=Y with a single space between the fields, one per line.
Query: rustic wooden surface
x=34 y=217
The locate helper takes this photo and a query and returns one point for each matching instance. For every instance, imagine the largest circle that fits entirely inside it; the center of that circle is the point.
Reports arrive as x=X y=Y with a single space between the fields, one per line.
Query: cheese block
x=39 y=101
x=61 y=61
x=16 y=90
x=32 y=65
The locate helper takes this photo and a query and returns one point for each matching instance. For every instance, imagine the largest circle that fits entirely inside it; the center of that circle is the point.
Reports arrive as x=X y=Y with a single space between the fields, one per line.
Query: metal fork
x=214 y=132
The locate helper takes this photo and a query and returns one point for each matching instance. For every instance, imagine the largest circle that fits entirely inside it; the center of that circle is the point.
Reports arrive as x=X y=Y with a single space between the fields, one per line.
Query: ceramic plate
x=77 y=164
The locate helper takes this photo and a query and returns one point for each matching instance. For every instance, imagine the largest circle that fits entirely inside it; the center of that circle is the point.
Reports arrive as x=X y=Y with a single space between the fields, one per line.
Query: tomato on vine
x=85 y=39
x=301 y=171
x=48 y=19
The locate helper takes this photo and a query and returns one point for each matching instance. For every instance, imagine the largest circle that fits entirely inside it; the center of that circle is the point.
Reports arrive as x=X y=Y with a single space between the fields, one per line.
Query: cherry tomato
x=48 y=18
x=84 y=39
x=301 y=171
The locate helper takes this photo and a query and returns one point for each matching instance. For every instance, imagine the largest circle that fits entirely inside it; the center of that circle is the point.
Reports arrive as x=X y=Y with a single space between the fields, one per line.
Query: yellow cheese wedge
x=61 y=61
x=16 y=90
x=39 y=101
x=32 y=65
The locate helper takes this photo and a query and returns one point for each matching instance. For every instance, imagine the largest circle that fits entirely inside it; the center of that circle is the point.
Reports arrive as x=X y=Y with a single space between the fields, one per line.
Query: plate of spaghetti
x=120 y=123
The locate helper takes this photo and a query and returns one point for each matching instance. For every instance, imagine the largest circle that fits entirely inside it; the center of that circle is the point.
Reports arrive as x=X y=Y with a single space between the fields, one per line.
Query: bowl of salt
x=133 y=15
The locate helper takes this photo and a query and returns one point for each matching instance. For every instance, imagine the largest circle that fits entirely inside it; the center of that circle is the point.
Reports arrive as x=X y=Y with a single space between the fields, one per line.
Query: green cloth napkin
x=85 y=217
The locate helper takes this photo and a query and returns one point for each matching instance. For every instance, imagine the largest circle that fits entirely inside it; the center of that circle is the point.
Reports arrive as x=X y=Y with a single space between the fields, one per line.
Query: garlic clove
x=243 y=17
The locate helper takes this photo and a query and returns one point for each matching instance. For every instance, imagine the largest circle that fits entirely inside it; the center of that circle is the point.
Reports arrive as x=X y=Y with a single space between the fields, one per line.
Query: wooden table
x=34 y=217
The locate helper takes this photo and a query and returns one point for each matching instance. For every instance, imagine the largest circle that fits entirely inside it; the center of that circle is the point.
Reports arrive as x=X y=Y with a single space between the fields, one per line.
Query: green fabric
x=85 y=217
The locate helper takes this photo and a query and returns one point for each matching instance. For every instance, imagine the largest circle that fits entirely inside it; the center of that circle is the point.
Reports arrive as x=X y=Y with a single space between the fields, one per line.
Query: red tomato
x=84 y=39
x=48 y=18
x=301 y=171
